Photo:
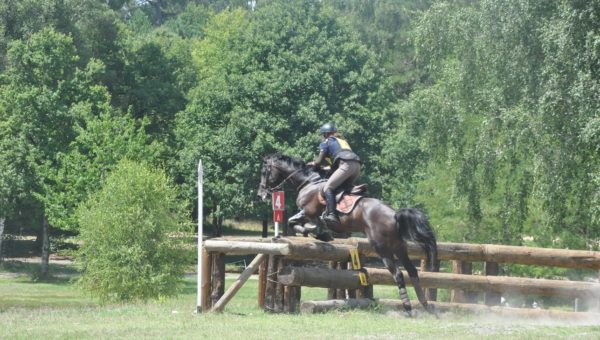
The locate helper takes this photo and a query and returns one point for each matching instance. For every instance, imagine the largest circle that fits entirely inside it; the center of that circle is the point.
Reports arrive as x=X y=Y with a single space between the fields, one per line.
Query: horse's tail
x=413 y=225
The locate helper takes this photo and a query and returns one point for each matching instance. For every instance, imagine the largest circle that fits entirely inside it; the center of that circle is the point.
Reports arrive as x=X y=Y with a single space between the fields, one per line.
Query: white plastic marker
x=200 y=235
x=278 y=201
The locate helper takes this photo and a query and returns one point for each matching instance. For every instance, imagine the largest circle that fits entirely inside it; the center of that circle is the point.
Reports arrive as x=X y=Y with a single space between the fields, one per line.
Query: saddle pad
x=346 y=204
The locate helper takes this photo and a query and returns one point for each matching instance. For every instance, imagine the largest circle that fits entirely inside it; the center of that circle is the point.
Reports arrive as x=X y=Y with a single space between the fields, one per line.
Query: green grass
x=55 y=309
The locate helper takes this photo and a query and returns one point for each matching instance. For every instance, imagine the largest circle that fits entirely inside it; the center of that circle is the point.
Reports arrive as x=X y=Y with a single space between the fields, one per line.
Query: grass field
x=55 y=309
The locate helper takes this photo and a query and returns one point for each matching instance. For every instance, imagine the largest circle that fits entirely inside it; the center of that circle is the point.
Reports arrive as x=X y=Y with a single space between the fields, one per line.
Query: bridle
x=280 y=185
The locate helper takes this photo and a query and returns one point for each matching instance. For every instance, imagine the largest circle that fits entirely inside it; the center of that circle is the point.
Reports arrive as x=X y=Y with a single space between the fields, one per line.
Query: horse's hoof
x=310 y=227
x=432 y=310
x=408 y=310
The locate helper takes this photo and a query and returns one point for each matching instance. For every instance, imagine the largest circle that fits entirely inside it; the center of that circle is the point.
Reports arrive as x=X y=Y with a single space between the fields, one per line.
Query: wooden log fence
x=302 y=249
x=279 y=284
x=347 y=279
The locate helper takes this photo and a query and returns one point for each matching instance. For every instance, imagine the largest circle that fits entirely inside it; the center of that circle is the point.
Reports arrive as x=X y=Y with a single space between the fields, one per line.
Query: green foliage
x=39 y=88
x=384 y=26
x=132 y=237
x=496 y=135
x=102 y=141
x=266 y=83
x=518 y=78
x=191 y=22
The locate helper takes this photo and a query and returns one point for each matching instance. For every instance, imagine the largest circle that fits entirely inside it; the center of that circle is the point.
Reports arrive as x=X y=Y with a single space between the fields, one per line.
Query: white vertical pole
x=200 y=235
x=276 y=229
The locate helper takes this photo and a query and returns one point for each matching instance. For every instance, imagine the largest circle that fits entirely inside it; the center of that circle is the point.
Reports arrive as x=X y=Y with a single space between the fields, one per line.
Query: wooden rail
x=338 y=250
x=347 y=279
x=279 y=283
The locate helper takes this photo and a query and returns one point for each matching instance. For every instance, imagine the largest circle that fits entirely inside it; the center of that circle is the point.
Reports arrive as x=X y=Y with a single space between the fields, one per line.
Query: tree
x=517 y=81
x=102 y=141
x=132 y=237
x=384 y=26
x=267 y=81
x=42 y=94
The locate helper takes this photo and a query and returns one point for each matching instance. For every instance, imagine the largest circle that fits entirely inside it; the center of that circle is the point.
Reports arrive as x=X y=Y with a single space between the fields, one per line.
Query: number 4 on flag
x=278 y=201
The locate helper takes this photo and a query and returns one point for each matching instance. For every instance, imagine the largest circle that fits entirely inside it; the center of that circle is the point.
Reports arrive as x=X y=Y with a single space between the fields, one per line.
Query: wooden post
x=459 y=295
x=291 y=295
x=430 y=293
x=252 y=267
x=279 y=290
x=331 y=292
x=341 y=293
x=262 y=281
x=492 y=298
x=467 y=269
x=265 y=228
x=270 y=284
x=352 y=293
x=205 y=289
x=217 y=277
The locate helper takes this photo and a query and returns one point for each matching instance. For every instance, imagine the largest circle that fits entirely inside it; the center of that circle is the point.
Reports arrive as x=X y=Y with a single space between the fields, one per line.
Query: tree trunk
x=217 y=220
x=45 y=247
x=1 y=234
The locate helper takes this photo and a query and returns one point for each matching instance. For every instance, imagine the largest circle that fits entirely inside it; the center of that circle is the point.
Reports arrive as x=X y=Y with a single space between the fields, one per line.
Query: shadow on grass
x=230 y=230
x=61 y=274
x=189 y=287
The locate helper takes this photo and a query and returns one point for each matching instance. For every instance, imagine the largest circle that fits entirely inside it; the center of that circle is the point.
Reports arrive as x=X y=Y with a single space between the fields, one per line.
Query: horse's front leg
x=308 y=218
x=297 y=219
x=305 y=225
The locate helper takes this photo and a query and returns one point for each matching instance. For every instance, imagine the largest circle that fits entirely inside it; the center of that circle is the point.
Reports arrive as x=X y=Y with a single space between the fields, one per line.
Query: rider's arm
x=319 y=160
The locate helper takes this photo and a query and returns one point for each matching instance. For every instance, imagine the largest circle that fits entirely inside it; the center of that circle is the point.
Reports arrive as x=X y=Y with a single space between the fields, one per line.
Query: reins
x=280 y=185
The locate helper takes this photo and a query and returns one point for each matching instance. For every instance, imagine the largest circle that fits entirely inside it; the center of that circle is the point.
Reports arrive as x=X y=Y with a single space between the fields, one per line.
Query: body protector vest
x=336 y=149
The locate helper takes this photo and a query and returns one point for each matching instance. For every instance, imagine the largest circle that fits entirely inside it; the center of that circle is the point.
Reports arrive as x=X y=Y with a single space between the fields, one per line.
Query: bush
x=132 y=232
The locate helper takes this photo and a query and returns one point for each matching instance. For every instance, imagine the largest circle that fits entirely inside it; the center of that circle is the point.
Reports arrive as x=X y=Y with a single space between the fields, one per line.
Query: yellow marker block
x=355 y=258
x=363 y=279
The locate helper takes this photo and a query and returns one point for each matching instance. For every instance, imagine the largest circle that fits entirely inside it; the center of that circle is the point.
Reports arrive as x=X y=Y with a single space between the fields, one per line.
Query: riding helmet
x=327 y=128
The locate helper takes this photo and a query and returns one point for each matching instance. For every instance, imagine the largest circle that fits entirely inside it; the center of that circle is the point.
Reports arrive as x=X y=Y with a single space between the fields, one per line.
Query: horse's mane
x=290 y=161
x=295 y=162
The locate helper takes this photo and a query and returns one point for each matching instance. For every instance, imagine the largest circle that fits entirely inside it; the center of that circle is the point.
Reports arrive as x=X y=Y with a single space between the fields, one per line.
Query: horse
x=387 y=230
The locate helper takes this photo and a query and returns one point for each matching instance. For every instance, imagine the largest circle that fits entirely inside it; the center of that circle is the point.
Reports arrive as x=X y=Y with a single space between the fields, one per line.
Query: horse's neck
x=298 y=177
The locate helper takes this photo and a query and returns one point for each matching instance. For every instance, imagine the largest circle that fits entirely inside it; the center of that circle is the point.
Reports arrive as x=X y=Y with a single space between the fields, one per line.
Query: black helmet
x=327 y=128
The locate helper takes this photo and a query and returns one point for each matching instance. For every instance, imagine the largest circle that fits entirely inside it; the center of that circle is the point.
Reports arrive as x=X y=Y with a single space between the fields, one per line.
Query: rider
x=345 y=167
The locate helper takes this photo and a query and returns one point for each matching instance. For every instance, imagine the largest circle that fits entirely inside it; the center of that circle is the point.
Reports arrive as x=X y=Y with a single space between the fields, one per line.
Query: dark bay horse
x=386 y=229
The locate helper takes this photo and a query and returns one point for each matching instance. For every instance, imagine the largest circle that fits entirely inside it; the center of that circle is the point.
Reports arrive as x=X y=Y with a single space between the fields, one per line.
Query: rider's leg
x=330 y=217
x=352 y=171
x=346 y=171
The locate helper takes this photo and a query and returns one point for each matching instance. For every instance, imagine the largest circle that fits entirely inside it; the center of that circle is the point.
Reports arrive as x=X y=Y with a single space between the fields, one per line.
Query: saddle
x=347 y=198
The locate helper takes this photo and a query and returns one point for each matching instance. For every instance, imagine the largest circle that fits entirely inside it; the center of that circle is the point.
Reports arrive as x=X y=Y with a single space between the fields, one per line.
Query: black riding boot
x=331 y=217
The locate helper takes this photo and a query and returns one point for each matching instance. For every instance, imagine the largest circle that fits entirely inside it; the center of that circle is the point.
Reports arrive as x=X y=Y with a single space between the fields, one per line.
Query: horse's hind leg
x=414 y=277
x=389 y=262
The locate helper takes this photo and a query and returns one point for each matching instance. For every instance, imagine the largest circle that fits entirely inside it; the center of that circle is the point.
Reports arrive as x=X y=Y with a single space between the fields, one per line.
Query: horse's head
x=276 y=170
x=269 y=177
